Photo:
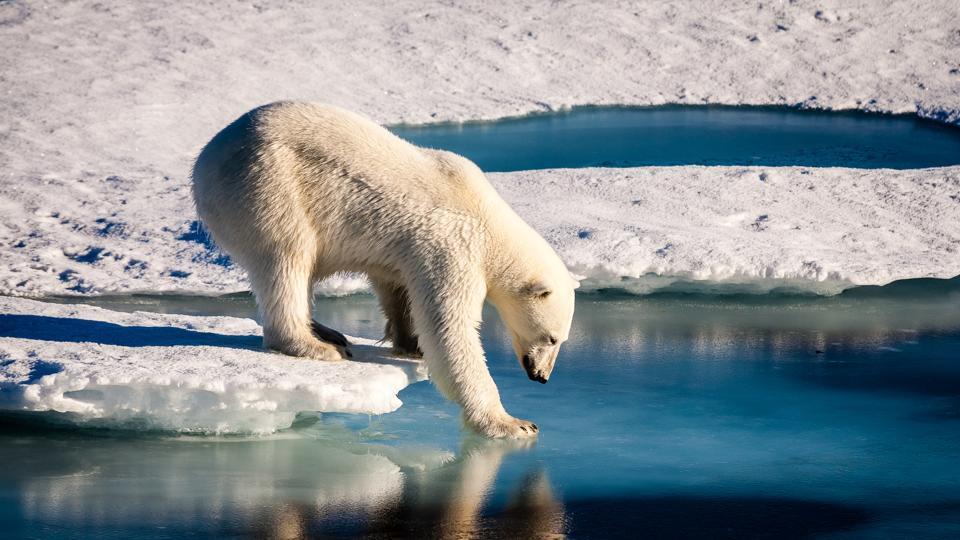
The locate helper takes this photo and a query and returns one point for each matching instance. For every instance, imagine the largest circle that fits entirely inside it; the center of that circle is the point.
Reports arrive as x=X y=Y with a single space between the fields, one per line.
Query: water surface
x=677 y=416
x=696 y=135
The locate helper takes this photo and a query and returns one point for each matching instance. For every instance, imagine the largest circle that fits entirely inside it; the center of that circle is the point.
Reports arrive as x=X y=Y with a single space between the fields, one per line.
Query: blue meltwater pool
x=666 y=417
x=702 y=135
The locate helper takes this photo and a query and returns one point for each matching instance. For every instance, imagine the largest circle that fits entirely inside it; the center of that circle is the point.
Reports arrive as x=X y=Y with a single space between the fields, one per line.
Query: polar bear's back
x=323 y=134
x=329 y=148
x=287 y=172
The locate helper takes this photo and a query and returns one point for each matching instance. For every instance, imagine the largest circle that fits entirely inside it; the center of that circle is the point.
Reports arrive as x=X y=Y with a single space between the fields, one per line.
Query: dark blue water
x=667 y=417
x=701 y=135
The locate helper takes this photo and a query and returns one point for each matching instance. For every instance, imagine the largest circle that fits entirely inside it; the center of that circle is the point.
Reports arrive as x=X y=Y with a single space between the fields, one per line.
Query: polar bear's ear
x=536 y=289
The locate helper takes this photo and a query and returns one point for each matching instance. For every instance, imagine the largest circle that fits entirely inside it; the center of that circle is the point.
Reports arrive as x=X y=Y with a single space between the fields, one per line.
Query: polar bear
x=295 y=192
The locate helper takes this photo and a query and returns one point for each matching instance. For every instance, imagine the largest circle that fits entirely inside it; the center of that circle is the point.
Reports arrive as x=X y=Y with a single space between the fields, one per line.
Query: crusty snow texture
x=178 y=372
x=104 y=104
x=740 y=228
x=747 y=229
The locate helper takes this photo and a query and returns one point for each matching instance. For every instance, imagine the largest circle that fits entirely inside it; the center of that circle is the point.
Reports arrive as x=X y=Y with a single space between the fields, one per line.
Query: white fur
x=295 y=192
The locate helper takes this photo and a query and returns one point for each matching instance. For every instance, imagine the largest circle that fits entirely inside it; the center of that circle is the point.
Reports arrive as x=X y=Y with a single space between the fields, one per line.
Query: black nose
x=534 y=375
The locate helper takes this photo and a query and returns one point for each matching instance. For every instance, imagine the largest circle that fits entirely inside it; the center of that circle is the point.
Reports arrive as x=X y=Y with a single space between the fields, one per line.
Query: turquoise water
x=701 y=135
x=667 y=416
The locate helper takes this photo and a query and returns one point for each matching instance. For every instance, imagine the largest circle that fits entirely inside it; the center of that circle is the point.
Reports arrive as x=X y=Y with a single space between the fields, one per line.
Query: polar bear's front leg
x=447 y=315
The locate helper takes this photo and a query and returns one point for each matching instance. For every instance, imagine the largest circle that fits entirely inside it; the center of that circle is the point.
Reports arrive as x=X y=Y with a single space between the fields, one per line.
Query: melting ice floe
x=748 y=228
x=176 y=372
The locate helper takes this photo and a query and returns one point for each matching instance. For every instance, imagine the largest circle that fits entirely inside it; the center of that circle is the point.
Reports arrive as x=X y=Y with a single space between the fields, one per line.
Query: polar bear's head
x=538 y=314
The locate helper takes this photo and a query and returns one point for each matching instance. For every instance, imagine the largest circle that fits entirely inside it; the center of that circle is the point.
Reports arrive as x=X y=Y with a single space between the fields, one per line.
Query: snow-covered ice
x=643 y=229
x=748 y=229
x=104 y=104
x=177 y=372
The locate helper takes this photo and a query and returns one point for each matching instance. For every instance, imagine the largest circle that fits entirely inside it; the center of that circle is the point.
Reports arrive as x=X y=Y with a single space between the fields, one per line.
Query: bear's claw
x=329 y=335
x=507 y=427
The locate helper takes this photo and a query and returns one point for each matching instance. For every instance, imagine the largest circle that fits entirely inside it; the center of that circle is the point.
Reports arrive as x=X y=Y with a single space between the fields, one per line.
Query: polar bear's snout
x=538 y=363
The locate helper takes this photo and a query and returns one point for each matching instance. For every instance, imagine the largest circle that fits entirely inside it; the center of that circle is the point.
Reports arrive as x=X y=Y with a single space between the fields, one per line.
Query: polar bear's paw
x=320 y=350
x=506 y=427
x=331 y=354
x=313 y=349
x=332 y=337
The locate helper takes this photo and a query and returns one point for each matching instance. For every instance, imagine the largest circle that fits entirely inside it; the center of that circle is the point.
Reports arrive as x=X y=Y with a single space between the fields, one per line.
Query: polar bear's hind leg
x=283 y=288
x=395 y=303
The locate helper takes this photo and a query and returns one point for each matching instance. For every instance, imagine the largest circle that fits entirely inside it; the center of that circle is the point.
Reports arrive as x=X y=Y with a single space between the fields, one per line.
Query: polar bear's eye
x=535 y=289
x=553 y=340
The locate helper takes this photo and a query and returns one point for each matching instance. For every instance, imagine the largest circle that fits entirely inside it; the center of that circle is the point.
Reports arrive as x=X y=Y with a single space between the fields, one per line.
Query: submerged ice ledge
x=176 y=372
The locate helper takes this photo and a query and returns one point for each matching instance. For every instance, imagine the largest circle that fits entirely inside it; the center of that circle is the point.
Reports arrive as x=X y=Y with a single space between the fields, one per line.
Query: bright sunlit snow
x=818 y=230
x=749 y=229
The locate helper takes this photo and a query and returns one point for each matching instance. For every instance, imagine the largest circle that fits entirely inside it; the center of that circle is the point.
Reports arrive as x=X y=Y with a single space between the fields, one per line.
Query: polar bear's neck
x=515 y=252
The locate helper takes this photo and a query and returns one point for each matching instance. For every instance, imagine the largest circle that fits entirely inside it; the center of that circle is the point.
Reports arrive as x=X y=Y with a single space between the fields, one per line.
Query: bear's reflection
x=454 y=501
x=451 y=501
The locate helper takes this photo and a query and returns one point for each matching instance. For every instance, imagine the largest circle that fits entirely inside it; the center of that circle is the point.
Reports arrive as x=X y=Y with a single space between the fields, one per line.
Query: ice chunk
x=178 y=372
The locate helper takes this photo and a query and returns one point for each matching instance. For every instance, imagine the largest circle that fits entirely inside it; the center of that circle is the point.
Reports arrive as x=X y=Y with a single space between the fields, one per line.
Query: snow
x=103 y=106
x=749 y=229
x=177 y=372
